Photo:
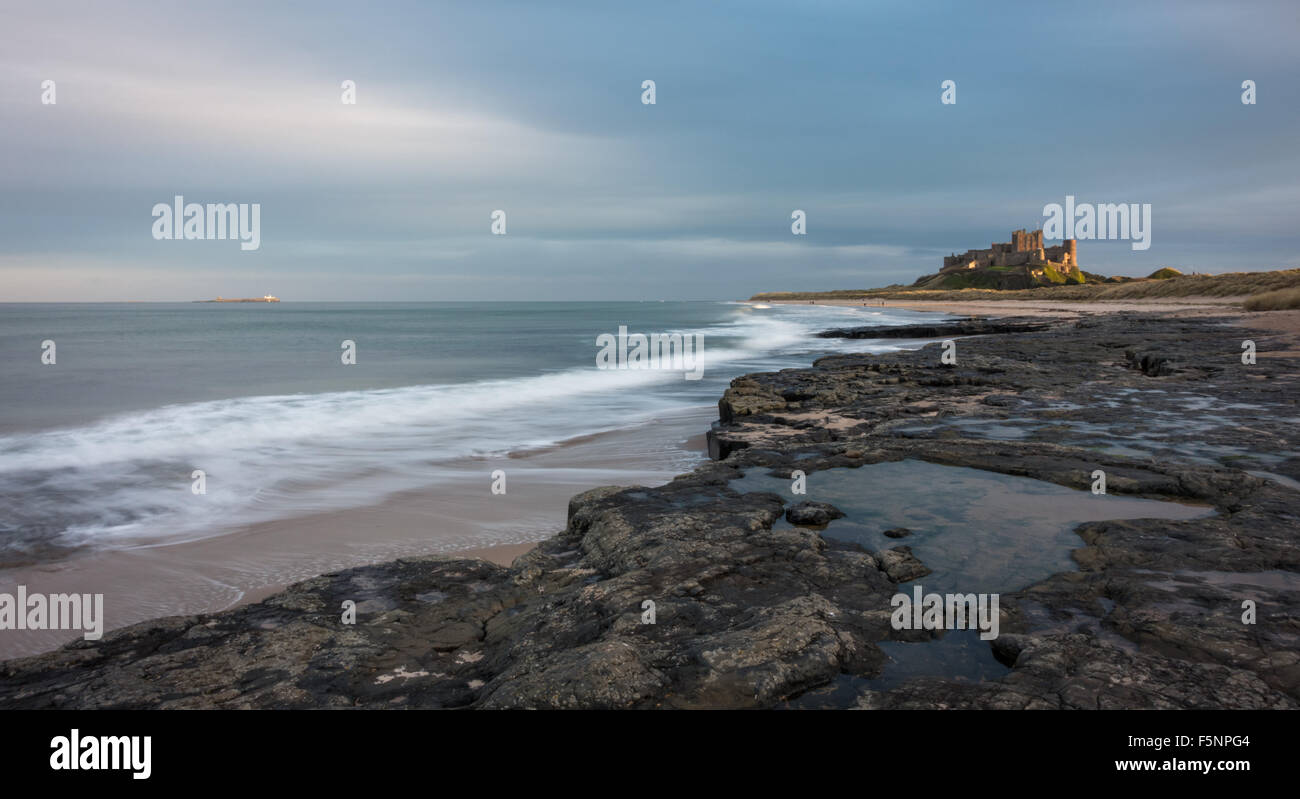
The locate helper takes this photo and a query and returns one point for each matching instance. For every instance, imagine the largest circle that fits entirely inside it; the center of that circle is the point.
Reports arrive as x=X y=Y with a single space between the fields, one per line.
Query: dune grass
x=1281 y=300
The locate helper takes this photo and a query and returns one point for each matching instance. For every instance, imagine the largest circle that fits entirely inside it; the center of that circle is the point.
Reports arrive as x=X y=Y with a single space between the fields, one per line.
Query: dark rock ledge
x=748 y=616
x=957 y=327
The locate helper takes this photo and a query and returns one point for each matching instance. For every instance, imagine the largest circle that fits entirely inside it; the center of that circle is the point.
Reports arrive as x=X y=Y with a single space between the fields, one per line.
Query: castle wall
x=1025 y=247
x=1025 y=241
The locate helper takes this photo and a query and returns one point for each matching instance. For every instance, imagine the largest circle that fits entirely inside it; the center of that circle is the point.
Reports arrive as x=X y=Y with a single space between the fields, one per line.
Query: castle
x=1024 y=249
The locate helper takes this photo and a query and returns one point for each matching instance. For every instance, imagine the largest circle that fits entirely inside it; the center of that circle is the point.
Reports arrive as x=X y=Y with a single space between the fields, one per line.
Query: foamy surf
x=125 y=480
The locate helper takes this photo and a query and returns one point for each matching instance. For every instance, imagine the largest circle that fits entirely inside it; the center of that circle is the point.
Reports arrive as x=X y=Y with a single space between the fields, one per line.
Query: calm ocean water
x=98 y=449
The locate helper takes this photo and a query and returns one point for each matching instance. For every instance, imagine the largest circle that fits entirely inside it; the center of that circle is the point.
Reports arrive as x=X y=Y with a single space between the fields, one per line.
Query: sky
x=832 y=108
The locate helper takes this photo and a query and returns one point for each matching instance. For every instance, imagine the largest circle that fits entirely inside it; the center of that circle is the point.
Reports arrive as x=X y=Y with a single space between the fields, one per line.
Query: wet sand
x=458 y=517
x=1285 y=325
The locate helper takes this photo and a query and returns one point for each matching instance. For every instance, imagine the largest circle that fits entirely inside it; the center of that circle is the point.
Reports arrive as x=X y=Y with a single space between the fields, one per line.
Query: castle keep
x=1025 y=249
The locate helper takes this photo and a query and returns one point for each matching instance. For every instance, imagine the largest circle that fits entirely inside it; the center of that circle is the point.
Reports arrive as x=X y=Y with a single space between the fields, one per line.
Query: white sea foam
x=125 y=480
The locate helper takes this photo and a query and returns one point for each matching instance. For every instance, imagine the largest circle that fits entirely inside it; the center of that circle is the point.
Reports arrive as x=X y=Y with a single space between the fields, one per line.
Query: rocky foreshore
x=751 y=613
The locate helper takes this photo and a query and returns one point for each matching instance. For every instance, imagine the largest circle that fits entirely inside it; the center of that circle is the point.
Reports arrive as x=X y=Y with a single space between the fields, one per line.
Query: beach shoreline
x=310 y=470
x=457 y=518
x=1283 y=322
x=754 y=612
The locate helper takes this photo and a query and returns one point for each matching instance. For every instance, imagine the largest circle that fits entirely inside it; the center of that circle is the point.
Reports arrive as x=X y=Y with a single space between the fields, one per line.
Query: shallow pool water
x=978 y=531
x=956 y=655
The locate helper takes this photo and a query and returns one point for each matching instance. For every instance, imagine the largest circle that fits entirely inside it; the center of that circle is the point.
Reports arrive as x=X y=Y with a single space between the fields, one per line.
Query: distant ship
x=264 y=298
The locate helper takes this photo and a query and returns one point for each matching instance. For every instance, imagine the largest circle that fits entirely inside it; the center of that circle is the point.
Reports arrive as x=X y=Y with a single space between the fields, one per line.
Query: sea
x=161 y=423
